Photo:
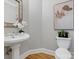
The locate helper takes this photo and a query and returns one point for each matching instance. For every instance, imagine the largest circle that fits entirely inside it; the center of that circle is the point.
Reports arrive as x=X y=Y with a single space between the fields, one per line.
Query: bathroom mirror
x=13 y=12
x=10 y=9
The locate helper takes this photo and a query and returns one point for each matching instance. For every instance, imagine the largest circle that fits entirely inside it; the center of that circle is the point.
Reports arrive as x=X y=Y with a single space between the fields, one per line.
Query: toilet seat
x=62 y=53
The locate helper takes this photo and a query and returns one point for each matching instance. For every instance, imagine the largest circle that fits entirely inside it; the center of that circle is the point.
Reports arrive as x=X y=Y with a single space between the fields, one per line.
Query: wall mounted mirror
x=13 y=12
x=10 y=12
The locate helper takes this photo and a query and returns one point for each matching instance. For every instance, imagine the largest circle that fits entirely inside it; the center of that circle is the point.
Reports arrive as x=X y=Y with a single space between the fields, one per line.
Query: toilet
x=62 y=52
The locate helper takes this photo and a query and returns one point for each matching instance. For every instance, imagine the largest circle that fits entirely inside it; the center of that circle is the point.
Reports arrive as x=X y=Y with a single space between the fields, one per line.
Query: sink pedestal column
x=16 y=52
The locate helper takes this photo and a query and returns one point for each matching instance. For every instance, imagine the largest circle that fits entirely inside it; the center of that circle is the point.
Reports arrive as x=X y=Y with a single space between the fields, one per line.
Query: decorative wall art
x=63 y=15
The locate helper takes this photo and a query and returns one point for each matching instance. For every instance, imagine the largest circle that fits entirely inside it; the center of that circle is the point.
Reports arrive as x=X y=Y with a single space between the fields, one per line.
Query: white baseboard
x=43 y=50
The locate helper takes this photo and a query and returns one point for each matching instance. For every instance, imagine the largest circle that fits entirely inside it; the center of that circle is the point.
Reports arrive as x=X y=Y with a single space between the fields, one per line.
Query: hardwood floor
x=40 y=56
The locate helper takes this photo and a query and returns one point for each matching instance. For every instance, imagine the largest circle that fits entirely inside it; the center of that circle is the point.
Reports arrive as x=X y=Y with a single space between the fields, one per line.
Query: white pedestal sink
x=14 y=42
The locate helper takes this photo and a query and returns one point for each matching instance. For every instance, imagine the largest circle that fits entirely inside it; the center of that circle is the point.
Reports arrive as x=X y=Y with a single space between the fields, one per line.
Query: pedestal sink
x=14 y=41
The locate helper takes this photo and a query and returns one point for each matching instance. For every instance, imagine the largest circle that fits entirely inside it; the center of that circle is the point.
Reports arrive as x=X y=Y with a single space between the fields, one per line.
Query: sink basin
x=15 y=39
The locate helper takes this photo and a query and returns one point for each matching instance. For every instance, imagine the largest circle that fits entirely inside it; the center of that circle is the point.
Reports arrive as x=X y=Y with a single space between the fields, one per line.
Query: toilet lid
x=63 y=53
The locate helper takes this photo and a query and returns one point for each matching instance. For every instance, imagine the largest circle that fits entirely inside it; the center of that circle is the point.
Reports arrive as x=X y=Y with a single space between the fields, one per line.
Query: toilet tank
x=63 y=42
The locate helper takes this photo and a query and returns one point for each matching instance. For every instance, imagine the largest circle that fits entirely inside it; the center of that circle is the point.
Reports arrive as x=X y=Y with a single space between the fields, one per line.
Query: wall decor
x=63 y=15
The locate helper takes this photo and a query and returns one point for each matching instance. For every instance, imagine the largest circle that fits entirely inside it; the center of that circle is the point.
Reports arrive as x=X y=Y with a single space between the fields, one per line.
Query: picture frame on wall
x=64 y=15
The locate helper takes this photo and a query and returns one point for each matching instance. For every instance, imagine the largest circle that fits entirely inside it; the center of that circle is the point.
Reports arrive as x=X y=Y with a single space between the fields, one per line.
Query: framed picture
x=63 y=15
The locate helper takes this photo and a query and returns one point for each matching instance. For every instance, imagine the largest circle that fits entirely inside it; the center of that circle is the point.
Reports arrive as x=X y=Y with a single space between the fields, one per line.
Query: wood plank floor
x=40 y=56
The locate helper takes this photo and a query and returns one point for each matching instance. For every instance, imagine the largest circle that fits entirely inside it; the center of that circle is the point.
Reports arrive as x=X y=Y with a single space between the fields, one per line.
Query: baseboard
x=33 y=51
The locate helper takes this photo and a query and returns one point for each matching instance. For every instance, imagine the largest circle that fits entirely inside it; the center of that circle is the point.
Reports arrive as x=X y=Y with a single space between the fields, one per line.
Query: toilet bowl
x=62 y=53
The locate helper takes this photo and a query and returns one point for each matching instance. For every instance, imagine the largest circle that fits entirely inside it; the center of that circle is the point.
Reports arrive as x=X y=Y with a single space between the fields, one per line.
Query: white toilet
x=62 y=52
